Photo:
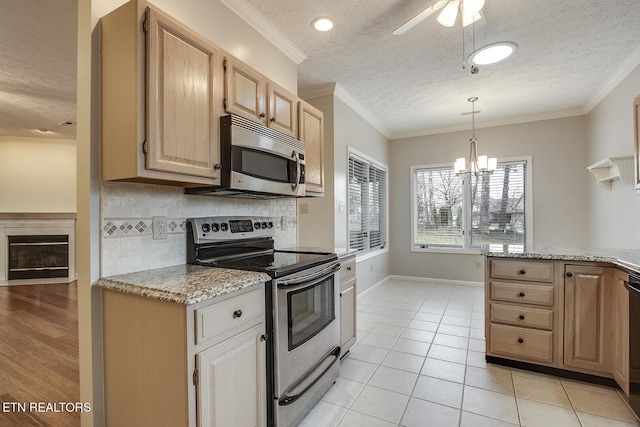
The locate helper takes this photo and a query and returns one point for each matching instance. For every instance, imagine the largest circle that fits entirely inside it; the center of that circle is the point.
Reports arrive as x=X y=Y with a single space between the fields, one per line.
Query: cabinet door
x=183 y=82
x=586 y=338
x=312 y=134
x=231 y=388
x=620 y=347
x=283 y=110
x=347 y=315
x=244 y=91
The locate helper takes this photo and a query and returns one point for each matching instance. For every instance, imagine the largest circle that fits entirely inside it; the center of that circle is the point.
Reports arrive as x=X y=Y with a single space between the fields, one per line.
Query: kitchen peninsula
x=564 y=311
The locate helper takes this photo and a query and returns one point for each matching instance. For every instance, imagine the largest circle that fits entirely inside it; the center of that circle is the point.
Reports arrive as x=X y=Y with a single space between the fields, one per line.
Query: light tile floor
x=419 y=361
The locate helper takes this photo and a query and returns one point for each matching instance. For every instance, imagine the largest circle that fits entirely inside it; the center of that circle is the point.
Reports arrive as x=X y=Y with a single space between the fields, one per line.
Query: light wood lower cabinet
x=167 y=364
x=587 y=342
x=348 y=308
x=574 y=316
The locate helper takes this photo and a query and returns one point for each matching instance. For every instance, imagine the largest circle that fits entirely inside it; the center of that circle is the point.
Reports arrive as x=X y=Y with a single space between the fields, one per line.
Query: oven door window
x=264 y=165
x=310 y=310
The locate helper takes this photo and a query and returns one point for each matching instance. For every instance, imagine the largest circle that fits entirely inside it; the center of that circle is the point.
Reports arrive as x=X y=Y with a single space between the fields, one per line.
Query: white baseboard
x=375 y=285
x=437 y=281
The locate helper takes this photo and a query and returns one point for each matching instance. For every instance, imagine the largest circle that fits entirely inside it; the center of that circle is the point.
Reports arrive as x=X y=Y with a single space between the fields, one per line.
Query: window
x=455 y=211
x=367 y=201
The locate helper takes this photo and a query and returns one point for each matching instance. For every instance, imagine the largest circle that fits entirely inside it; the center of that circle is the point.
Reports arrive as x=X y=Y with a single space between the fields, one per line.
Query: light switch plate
x=159 y=227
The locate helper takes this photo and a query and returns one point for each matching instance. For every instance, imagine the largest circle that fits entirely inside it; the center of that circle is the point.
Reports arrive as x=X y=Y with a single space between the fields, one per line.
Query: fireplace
x=37 y=249
x=38 y=256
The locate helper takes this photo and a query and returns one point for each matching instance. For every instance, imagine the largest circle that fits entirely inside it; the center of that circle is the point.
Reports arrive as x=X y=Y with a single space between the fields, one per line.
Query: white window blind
x=453 y=211
x=367 y=204
x=438 y=195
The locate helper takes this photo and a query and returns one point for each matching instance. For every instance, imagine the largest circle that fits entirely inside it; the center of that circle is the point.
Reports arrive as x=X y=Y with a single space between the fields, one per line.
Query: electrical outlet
x=372 y=268
x=341 y=207
x=304 y=208
x=478 y=265
x=159 y=227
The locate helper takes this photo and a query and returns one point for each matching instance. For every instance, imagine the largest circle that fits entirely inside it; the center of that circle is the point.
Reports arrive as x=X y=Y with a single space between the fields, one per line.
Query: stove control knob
x=263 y=224
x=224 y=226
x=215 y=227
x=257 y=225
x=270 y=224
x=205 y=228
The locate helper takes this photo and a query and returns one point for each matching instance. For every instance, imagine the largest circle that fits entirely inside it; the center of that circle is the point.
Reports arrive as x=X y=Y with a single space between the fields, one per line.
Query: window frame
x=466 y=247
x=369 y=252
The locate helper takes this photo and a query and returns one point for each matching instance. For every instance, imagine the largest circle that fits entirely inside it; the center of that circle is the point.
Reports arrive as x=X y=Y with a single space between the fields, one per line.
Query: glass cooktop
x=277 y=264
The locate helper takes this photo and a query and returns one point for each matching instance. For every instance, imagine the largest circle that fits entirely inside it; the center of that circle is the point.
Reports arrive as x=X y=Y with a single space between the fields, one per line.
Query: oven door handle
x=311 y=277
x=288 y=400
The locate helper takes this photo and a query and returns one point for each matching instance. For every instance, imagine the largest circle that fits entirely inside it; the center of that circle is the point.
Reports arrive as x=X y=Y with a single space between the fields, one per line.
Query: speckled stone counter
x=344 y=253
x=183 y=284
x=625 y=258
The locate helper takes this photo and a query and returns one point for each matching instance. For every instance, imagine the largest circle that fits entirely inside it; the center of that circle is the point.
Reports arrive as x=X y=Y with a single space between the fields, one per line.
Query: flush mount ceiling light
x=493 y=53
x=322 y=24
x=477 y=164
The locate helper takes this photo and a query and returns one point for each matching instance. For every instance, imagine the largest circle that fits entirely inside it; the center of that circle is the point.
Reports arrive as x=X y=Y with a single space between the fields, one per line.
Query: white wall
x=325 y=225
x=37 y=175
x=613 y=220
x=558 y=151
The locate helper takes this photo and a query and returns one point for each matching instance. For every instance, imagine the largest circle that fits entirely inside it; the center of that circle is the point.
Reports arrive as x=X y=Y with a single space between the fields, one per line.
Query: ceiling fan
x=470 y=13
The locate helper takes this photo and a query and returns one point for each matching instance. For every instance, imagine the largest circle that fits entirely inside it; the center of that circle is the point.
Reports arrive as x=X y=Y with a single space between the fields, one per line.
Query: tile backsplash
x=127 y=210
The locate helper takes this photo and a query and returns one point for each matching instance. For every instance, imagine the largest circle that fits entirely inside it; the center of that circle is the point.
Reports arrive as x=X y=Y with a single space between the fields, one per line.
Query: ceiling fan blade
x=419 y=17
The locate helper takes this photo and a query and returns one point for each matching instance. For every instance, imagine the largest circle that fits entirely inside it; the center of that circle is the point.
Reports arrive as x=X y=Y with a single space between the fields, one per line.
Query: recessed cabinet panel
x=584 y=317
x=283 y=110
x=244 y=91
x=522 y=343
x=182 y=117
x=522 y=270
x=312 y=134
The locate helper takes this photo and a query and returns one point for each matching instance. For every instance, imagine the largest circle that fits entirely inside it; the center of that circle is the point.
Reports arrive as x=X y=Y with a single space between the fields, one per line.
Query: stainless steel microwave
x=257 y=162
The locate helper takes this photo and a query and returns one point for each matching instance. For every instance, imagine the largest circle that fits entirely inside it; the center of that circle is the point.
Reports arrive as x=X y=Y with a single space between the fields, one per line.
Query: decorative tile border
x=135 y=227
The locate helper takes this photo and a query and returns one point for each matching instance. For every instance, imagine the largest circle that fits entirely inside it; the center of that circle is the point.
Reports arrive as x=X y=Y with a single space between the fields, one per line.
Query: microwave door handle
x=295 y=186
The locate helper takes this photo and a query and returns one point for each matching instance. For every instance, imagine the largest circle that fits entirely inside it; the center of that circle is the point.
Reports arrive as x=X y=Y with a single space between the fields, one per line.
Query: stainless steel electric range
x=302 y=300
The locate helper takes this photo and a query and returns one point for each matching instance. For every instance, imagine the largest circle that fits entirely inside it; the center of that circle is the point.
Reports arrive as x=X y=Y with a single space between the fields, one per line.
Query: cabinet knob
x=348 y=268
x=263 y=115
x=521 y=294
x=272 y=119
x=264 y=337
x=217 y=166
x=523 y=272
x=237 y=314
x=520 y=340
x=569 y=274
x=521 y=317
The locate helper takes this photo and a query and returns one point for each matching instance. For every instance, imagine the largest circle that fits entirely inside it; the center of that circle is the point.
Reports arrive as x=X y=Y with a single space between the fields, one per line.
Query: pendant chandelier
x=477 y=164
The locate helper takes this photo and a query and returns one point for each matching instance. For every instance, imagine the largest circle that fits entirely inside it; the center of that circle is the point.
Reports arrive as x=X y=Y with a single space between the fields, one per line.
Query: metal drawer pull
x=520 y=340
x=264 y=337
x=237 y=314
x=521 y=294
x=523 y=272
x=348 y=268
x=569 y=274
x=521 y=317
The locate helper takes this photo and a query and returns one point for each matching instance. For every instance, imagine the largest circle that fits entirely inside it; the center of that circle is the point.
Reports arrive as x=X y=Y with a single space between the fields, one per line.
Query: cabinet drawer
x=522 y=270
x=218 y=318
x=522 y=316
x=347 y=269
x=522 y=292
x=522 y=343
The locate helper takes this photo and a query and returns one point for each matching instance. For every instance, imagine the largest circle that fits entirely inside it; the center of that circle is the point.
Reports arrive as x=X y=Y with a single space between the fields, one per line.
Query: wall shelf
x=611 y=169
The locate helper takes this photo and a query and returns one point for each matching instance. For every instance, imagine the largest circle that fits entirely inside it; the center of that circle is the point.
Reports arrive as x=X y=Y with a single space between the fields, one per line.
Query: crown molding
x=514 y=121
x=337 y=90
x=258 y=22
x=614 y=80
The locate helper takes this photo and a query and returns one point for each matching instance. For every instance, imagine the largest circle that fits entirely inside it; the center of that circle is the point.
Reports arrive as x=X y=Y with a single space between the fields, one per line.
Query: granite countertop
x=183 y=284
x=625 y=258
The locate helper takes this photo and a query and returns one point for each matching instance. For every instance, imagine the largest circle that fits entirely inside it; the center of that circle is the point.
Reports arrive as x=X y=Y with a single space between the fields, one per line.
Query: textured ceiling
x=409 y=84
x=38 y=67
x=414 y=83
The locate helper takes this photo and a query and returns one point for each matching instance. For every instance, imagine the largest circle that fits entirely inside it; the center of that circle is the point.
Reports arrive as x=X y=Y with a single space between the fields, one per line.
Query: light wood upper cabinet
x=175 y=140
x=587 y=340
x=311 y=121
x=251 y=95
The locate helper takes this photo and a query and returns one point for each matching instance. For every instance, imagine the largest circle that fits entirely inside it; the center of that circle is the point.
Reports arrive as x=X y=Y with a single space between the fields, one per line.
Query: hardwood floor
x=39 y=355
